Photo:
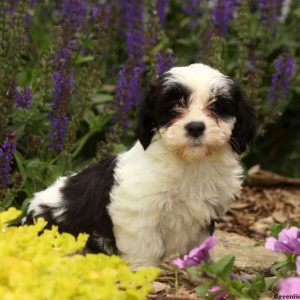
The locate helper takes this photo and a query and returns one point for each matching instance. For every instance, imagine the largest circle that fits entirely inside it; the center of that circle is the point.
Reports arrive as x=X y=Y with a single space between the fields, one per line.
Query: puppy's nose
x=195 y=129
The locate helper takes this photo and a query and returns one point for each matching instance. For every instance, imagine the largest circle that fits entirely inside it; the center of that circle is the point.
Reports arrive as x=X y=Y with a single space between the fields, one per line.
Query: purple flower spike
x=24 y=98
x=270 y=11
x=7 y=148
x=289 y=287
x=281 y=79
x=192 y=8
x=134 y=19
x=164 y=62
x=74 y=13
x=222 y=12
x=58 y=130
x=161 y=6
x=101 y=12
x=121 y=88
x=197 y=254
x=288 y=241
x=128 y=88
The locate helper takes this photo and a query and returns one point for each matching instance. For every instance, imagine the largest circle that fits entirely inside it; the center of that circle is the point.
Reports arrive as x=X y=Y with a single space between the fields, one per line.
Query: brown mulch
x=258 y=207
x=271 y=198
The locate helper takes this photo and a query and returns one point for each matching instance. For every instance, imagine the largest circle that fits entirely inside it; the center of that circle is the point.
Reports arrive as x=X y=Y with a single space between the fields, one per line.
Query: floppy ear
x=146 y=116
x=245 y=125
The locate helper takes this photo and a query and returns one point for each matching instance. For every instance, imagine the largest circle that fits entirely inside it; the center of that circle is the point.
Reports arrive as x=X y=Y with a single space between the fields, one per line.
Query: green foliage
x=44 y=266
x=275 y=229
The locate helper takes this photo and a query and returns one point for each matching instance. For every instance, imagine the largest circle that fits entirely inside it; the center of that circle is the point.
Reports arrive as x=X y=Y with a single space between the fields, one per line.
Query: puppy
x=162 y=196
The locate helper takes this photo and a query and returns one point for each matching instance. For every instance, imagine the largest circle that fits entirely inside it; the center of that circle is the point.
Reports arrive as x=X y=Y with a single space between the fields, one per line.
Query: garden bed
x=250 y=216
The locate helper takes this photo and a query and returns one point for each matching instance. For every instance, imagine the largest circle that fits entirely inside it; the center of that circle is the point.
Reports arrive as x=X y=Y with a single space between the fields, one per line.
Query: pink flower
x=288 y=241
x=197 y=254
x=221 y=295
x=289 y=286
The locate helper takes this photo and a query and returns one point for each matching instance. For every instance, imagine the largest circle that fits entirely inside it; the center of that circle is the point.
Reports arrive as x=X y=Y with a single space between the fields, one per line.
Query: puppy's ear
x=245 y=126
x=146 y=115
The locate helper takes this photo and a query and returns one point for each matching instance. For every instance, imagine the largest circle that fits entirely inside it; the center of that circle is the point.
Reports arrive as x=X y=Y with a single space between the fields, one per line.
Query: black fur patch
x=156 y=109
x=236 y=105
x=85 y=200
x=245 y=126
x=86 y=197
x=211 y=227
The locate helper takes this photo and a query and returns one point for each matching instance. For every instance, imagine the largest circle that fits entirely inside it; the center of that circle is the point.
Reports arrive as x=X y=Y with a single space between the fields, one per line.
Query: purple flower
x=24 y=98
x=133 y=91
x=161 y=6
x=128 y=88
x=197 y=254
x=121 y=88
x=221 y=295
x=270 y=11
x=101 y=12
x=288 y=241
x=134 y=20
x=74 y=13
x=59 y=124
x=282 y=77
x=11 y=6
x=7 y=148
x=289 y=287
x=222 y=12
x=62 y=91
x=59 y=102
x=192 y=8
x=164 y=62
x=62 y=57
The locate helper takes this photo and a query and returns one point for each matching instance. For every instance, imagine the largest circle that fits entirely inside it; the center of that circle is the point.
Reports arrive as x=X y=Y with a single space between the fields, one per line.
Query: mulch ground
x=258 y=207
x=271 y=198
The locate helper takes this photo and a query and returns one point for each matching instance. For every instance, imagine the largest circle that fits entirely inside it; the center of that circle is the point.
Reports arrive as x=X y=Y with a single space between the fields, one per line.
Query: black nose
x=195 y=129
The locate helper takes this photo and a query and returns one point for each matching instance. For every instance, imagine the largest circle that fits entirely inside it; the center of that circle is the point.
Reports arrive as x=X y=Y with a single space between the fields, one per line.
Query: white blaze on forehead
x=201 y=79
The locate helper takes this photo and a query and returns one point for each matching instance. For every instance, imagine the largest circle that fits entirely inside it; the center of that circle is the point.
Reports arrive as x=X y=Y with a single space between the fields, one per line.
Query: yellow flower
x=37 y=267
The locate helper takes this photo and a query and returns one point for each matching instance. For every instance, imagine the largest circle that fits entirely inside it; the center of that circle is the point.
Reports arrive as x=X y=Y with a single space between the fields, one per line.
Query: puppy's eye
x=212 y=106
x=182 y=103
x=222 y=106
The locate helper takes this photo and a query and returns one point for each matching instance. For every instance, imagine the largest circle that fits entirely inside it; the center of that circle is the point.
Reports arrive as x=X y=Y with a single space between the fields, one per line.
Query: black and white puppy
x=160 y=197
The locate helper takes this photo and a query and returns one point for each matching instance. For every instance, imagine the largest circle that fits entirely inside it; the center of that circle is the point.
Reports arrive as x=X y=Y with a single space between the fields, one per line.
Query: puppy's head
x=194 y=111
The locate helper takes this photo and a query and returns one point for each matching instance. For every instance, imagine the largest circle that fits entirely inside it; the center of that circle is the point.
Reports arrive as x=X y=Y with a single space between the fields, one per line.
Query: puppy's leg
x=141 y=248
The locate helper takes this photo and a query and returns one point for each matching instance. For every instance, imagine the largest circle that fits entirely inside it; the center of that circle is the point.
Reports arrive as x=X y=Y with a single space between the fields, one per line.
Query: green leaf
x=20 y=163
x=221 y=268
x=203 y=289
x=193 y=271
x=275 y=228
x=102 y=98
x=271 y=282
x=83 y=59
x=277 y=266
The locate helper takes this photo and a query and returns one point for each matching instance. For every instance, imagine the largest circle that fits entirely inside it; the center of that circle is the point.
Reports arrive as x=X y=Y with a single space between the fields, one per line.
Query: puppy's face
x=195 y=111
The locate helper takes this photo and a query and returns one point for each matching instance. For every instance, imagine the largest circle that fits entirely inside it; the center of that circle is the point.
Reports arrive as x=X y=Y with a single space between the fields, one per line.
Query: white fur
x=161 y=203
x=51 y=197
x=201 y=79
